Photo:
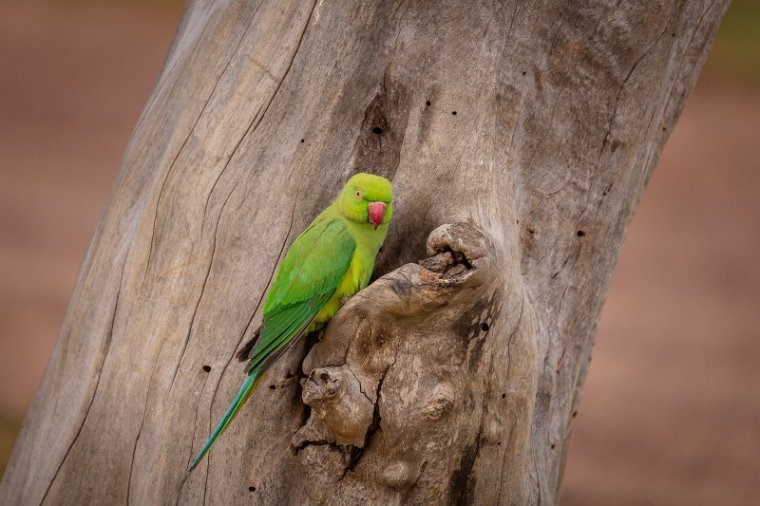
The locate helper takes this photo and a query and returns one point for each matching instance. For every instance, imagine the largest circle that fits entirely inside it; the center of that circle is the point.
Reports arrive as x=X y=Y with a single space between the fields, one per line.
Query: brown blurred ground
x=671 y=408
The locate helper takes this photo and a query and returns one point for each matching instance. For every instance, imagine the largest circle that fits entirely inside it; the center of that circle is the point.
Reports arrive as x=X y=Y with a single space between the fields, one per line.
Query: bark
x=519 y=137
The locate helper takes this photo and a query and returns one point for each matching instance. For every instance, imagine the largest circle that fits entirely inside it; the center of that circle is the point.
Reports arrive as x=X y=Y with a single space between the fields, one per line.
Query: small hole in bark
x=206 y=368
x=454 y=113
x=524 y=72
x=498 y=444
x=575 y=413
x=580 y=233
x=271 y=387
x=531 y=231
x=251 y=489
x=553 y=446
x=503 y=396
x=302 y=141
x=289 y=375
x=377 y=130
x=427 y=103
x=485 y=327
x=673 y=34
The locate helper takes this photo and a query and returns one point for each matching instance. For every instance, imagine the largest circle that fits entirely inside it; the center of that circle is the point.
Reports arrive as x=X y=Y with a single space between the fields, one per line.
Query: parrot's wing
x=307 y=278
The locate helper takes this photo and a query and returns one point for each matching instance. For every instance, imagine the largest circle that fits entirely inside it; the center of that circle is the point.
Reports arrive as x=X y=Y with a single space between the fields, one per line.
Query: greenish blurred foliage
x=736 y=52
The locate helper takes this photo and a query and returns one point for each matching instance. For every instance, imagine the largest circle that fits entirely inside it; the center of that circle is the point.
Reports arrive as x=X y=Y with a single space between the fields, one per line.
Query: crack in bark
x=466 y=471
x=647 y=51
x=356 y=453
x=290 y=227
x=254 y=124
x=184 y=347
x=319 y=442
x=203 y=289
x=107 y=347
x=253 y=314
x=189 y=135
x=548 y=129
x=376 y=418
x=361 y=387
x=292 y=217
x=142 y=420
x=166 y=178
x=195 y=424
x=221 y=75
x=161 y=82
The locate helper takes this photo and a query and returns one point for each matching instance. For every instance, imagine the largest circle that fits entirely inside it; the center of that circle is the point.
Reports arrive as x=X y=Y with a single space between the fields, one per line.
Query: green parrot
x=329 y=262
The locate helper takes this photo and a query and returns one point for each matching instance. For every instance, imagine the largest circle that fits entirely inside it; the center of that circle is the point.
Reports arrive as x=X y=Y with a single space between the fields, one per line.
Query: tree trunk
x=521 y=134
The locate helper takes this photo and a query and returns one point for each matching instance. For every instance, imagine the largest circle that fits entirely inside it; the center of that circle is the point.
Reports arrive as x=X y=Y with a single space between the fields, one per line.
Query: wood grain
x=539 y=123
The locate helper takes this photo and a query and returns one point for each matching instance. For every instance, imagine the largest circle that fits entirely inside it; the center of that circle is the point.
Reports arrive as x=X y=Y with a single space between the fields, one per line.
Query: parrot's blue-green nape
x=330 y=261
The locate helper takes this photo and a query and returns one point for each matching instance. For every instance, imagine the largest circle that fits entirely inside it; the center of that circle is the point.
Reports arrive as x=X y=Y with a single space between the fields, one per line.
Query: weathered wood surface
x=536 y=123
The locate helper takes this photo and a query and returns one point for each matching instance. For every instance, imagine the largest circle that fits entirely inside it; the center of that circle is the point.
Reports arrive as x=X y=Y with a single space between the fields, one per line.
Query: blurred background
x=671 y=408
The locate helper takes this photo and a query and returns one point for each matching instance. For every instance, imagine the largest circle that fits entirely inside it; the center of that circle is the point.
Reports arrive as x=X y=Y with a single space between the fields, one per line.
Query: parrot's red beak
x=376 y=211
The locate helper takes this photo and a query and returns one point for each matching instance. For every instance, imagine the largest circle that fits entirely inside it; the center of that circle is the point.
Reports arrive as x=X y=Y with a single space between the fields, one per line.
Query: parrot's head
x=366 y=198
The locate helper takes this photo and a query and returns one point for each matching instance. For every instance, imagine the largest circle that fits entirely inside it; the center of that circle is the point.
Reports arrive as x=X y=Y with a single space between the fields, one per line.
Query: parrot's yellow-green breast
x=347 y=222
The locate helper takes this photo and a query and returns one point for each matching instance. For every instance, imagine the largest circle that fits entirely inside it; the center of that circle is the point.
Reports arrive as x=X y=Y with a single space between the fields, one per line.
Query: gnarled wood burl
x=413 y=392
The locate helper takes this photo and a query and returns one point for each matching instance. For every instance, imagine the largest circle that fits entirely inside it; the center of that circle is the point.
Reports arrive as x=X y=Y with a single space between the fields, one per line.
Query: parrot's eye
x=358 y=195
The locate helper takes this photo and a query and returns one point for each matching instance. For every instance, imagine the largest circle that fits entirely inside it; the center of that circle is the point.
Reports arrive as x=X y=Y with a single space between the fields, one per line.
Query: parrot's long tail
x=240 y=399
